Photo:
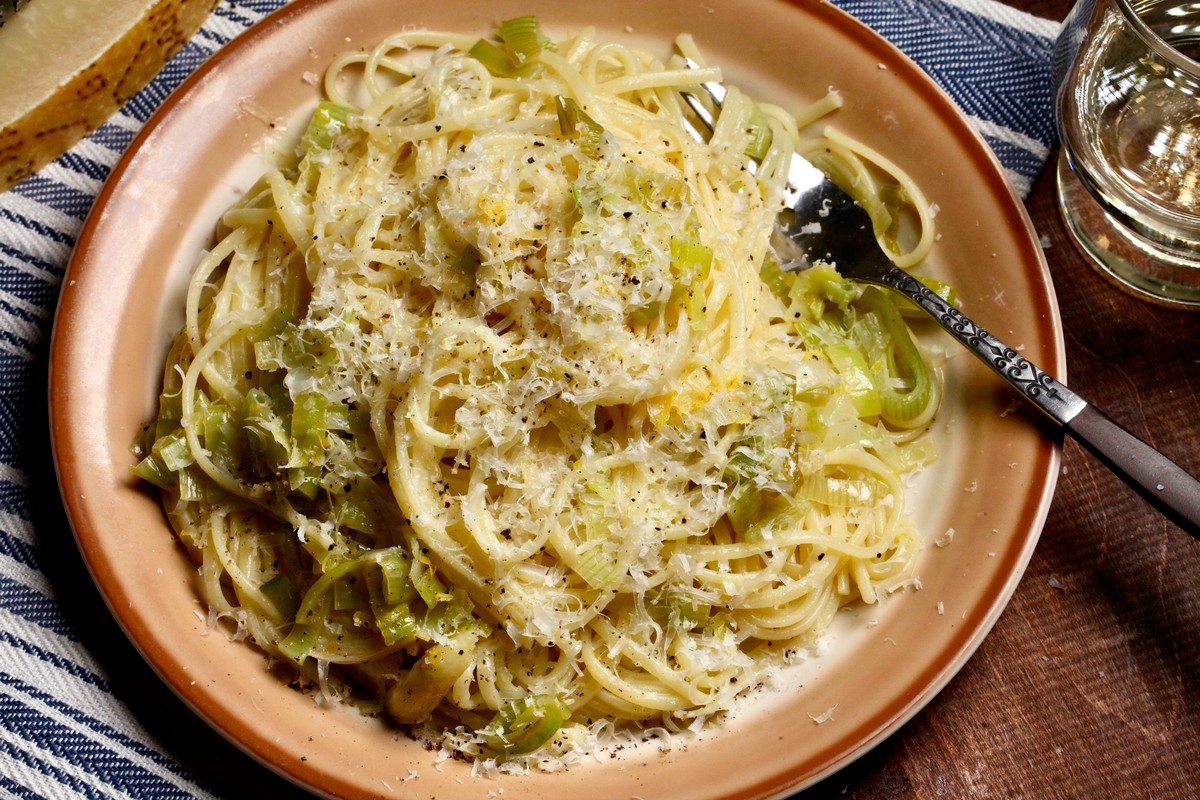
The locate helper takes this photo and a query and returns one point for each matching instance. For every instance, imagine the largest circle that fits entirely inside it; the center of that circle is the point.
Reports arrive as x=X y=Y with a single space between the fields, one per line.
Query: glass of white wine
x=1127 y=80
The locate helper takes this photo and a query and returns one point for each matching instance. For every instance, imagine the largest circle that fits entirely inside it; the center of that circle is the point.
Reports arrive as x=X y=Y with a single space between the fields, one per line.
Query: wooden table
x=1088 y=685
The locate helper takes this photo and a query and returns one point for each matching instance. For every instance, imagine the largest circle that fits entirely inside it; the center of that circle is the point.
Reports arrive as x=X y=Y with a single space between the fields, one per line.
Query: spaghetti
x=494 y=409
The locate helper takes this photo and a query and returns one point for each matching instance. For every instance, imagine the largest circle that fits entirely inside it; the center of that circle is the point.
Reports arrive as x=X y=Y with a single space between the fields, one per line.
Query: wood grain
x=1087 y=687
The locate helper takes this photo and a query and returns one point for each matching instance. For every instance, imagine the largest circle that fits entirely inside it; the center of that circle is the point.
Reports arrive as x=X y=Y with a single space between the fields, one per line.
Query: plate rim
x=781 y=782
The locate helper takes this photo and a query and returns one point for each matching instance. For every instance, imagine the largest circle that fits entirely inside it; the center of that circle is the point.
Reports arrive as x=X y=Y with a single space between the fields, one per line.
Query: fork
x=845 y=239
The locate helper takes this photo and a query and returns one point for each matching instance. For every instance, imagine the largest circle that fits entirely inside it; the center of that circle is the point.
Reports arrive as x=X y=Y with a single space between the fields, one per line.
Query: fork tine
x=716 y=93
x=691 y=127
x=714 y=89
x=701 y=113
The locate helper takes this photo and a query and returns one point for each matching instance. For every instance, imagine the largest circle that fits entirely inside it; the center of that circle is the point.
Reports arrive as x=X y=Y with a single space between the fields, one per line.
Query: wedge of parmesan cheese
x=67 y=65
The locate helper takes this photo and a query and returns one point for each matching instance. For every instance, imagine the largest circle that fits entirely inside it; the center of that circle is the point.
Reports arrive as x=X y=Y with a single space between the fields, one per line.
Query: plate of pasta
x=432 y=410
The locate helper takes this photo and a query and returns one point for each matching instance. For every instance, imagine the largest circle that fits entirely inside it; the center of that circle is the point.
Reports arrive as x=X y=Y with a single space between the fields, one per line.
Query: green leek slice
x=574 y=123
x=397 y=624
x=691 y=261
x=522 y=37
x=857 y=378
x=905 y=386
x=415 y=696
x=525 y=724
x=281 y=593
x=493 y=57
x=679 y=610
x=300 y=641
x=759 y=131
x=329 y=121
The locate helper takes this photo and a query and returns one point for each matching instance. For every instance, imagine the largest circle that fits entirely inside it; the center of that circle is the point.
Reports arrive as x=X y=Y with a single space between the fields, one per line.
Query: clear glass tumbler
x=1127 y=81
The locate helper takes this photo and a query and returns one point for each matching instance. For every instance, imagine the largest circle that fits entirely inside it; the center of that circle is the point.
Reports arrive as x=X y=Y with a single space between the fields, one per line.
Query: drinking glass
x=1127 y=85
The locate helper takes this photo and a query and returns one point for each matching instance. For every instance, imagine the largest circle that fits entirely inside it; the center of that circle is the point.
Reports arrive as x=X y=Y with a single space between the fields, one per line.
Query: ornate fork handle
x=1052 y=397
x=1160 y=481
x=846 y=240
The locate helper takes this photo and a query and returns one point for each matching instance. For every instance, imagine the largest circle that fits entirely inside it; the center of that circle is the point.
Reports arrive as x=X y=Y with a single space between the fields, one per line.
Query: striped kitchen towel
x=992 y=59
x=81 y=715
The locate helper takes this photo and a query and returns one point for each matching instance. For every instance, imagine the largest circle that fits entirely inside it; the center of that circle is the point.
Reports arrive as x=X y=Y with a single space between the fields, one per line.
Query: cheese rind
x=67 y=65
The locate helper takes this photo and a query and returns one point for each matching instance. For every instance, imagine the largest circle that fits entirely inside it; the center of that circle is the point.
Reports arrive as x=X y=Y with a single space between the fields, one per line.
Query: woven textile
x=79 y=713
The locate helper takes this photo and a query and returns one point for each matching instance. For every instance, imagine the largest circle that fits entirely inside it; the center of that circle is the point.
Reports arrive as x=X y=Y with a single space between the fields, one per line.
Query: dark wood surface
x=1087 y=687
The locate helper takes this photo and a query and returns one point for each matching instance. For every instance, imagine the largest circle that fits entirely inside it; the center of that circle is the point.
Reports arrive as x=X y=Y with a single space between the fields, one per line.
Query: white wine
x=1129 y=120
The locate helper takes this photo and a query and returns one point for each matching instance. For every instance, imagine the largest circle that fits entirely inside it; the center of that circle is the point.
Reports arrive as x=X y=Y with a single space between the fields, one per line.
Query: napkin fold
x=69 y=726
x=992 y=59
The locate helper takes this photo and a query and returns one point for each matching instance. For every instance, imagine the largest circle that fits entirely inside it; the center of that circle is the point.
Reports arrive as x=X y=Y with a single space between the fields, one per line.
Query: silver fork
x=845 y=239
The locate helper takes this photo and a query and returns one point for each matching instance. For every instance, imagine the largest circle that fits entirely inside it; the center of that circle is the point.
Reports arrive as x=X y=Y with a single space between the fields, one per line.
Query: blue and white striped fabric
x=80 y=714
x=992 y=59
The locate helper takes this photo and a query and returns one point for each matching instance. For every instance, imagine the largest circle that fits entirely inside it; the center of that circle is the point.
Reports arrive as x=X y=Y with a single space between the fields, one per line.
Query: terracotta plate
x=122 y=299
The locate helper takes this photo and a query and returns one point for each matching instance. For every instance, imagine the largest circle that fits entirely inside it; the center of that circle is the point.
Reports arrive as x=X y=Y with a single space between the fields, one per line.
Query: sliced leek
x=493 y=411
